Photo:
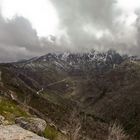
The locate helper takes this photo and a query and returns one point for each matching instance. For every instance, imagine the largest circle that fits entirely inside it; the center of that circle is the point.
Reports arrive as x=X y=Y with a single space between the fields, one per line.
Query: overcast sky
x=31 y=28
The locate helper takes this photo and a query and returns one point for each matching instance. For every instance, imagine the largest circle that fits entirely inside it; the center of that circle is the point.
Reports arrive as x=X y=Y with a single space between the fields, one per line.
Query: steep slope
x=103 y=86
x=114 y=96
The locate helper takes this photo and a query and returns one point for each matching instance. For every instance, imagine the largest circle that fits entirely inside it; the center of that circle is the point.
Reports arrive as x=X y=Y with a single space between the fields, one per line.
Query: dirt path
x=55 y=83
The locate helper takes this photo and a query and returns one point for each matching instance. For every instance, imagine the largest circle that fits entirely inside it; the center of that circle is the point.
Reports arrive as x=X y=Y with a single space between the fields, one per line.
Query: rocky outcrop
x=14 y=132
x=35 y=125
x=3 y=121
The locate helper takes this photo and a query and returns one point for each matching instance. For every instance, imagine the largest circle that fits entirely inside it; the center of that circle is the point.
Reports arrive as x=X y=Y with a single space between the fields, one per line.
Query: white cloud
x=40 y=13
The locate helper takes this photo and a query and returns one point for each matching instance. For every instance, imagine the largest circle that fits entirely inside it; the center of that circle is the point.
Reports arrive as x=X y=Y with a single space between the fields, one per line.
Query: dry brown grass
x=116 y=132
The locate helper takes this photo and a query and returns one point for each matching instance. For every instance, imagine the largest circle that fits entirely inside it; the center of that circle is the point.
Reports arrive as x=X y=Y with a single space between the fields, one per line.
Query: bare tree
x=73 y=126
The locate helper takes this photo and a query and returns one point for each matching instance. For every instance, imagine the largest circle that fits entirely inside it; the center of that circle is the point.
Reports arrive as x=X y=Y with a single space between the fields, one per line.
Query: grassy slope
x=10 y=110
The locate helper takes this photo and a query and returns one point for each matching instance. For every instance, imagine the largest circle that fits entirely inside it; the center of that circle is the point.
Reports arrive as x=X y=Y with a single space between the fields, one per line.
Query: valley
x=100 y=88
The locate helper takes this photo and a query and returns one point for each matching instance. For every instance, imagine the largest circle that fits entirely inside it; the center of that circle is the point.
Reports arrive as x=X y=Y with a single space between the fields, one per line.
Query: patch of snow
x=59 y=65
x=65 y=56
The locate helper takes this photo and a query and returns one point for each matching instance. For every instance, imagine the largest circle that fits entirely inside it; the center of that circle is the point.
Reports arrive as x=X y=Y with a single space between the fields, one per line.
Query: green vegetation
x=10 y=110
x=50 y=133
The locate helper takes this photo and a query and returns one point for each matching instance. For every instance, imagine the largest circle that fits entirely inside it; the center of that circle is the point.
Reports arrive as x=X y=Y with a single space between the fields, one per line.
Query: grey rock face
x=1 y=119
x=35 y=125
x=14 y=132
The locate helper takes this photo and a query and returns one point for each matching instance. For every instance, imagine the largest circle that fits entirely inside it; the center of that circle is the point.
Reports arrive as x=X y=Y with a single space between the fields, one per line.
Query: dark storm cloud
x=99 y=24
x=77 y=15
x=18 y=31
x=81 y=11
x=18 y=40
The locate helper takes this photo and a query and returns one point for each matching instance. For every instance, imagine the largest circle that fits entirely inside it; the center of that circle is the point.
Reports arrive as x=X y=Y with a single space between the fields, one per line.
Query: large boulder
x=14 y=132
x=35 y=125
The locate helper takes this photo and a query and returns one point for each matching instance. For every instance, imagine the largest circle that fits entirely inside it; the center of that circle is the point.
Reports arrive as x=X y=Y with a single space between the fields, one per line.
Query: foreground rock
x=3 y=121
x=35 y=125
x=14 y=132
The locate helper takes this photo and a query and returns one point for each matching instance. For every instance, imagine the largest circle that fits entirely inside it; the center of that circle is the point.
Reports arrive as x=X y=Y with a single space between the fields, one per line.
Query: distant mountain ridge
x=81 y=61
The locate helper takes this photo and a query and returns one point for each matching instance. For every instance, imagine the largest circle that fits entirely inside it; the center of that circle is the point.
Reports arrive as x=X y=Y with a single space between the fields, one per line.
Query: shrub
x=116 y=132
x=50 y=133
